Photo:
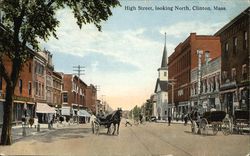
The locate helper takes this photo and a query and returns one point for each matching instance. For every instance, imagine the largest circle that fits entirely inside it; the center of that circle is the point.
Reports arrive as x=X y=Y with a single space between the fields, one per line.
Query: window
x=29 y=88
x=1 y=83
x=165 y=73
x=36 y=87
x=233 y=73
x=226 y=48
x=65 y=97
x=245 y=40
x=244 y=72
x=20 y=86
x=30 y=67
x=235 y=44
x=224 y=75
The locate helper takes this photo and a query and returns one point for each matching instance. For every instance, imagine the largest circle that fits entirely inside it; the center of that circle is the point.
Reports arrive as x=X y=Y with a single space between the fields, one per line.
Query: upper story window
x=245 y=45
x=226 y=48
x=20 y=86
x=165 y=73
x=233 y=73
x=235 y=44
x=29 y=88
x=1 y=83
x=224 y=75
x=244 y=72
x=65 y=97
x=30 y=67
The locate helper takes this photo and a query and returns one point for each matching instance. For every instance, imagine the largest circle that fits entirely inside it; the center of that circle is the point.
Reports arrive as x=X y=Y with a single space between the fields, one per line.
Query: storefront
x=44 y=112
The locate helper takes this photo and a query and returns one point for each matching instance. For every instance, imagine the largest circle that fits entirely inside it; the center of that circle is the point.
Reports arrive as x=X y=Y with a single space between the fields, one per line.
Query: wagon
x=214 y=121
x=241 y=120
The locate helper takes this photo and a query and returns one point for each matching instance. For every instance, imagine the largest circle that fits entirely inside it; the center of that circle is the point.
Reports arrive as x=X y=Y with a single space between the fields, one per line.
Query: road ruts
x=157 y=145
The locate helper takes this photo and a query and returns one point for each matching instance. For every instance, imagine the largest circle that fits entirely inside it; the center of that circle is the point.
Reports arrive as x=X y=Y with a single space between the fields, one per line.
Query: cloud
x=183 y=29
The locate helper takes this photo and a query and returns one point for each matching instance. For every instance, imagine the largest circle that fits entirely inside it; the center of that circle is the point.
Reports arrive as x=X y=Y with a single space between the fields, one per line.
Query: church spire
x=164 y=62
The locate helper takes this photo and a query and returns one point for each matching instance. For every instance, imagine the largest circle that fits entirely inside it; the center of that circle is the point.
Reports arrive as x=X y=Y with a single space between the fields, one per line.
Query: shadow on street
x=53 y=135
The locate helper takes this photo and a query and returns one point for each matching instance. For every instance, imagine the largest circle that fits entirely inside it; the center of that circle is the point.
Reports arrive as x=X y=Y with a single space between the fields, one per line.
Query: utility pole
x=97 y=87
x=79 y=71
x=172 y=83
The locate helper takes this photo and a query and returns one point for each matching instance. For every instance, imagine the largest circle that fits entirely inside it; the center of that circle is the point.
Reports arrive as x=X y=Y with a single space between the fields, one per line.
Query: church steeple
x=163 y=70
x=164 y=62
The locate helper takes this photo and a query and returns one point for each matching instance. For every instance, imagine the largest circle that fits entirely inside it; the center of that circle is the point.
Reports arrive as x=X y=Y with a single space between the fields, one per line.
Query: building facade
x=183 y=60
x=210 y=84
x=234 y=89
x=74 y=98
x=23 y=105
x=91 y=97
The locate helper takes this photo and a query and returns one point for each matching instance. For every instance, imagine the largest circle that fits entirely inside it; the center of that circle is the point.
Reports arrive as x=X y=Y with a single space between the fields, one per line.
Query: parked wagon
x=214 y=120
x=241 y=120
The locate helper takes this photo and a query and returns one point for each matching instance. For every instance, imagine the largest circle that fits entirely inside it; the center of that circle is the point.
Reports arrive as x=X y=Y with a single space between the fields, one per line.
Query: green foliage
x=136 y=112
x=24 y=23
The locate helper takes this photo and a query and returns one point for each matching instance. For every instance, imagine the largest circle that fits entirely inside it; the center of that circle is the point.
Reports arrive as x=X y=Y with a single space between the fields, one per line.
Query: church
x=161 y=88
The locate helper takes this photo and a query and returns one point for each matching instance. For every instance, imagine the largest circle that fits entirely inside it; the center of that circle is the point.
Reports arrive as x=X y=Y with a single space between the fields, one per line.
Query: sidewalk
x=17 y=131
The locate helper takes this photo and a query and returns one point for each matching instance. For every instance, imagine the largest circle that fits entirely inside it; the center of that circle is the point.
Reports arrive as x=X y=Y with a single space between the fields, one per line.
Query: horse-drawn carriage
x=241 y=120
x=214 y=120
x=111 y=122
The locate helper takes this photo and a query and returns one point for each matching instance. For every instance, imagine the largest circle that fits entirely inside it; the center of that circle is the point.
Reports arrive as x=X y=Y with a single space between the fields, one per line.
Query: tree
x=23 y=23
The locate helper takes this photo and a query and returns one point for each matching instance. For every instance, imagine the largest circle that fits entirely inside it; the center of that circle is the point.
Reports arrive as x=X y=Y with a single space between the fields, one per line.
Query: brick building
x=91 y=97
x=74 y=98
x=183 y=60
x=23 y=98
x=57 y=89
x=234 y=38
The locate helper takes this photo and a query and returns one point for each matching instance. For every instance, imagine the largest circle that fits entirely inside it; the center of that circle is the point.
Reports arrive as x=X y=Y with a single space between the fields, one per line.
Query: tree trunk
x=6 y=137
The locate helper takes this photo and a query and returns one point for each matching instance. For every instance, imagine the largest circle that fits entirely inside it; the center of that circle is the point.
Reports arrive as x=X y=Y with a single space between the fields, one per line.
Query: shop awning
x=44 y=108
x=84 y=113
x=65 y=110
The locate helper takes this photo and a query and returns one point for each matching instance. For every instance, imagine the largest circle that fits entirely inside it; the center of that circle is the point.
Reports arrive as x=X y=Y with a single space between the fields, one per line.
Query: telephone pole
x=79 y=71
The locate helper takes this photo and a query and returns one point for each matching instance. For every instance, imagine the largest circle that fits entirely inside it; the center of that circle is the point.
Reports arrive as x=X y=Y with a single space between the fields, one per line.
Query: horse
x=113 y=118
x=116 y=120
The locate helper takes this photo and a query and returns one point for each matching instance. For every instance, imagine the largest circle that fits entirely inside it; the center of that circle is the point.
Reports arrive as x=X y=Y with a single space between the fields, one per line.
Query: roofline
x=233 y=21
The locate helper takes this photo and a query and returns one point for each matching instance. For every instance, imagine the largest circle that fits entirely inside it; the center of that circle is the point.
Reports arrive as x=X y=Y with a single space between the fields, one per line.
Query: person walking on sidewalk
x=169 y=120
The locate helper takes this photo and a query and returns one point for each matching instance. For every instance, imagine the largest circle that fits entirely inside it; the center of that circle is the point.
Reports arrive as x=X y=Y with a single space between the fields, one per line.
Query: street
x=149 y=139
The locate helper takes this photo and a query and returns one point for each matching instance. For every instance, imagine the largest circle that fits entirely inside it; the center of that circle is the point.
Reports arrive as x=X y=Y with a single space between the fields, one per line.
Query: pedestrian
x=185 y=119
x=169 y=120
x=127 y=122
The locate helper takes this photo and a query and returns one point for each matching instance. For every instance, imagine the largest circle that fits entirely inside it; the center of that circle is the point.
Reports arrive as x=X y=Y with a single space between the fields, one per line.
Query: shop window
x=235 y=44
x=244 y=72
x=245 y=42
x=20 y=86
x=233 y=73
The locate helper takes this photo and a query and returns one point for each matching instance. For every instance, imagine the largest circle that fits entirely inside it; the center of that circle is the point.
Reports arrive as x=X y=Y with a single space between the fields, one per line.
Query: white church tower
x=161 y=88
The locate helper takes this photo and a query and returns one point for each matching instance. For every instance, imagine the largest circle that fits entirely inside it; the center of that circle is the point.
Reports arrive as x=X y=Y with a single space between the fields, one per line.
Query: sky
x=122 y=59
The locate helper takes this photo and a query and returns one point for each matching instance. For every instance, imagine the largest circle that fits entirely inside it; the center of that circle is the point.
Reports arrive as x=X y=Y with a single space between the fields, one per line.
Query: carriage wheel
x=97 y=128
x=204 y=126
x=193 y=127
x=215 y=129
x=226 y=126
x=93 y=127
